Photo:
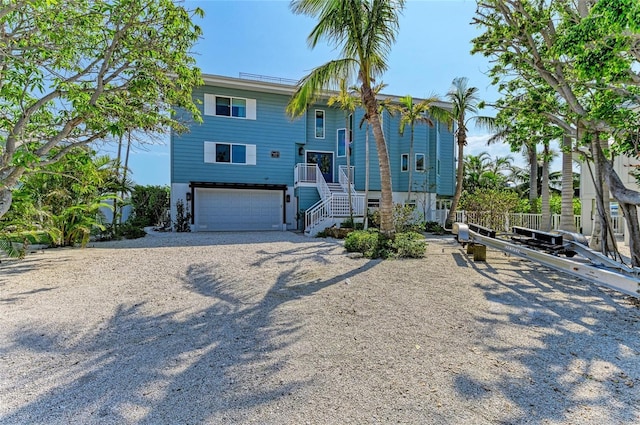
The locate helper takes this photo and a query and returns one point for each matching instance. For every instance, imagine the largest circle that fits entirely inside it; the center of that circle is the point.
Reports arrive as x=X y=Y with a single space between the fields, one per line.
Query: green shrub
x=371 y=243
x=409 y=245
x=433 y=227
x=349 y=224
x=129 y=231
x=334 y=232
x=405 y=218
x=183 y=217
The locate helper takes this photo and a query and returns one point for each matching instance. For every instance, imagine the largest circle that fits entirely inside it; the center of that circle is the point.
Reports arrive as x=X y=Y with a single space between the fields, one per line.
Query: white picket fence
x=504 y=222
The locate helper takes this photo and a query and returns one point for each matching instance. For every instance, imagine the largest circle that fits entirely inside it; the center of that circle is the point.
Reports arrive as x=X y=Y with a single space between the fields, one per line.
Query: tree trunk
x=629 y=198
x=546 y=208
x=386 y=199
x=6 y=196
x=532 y=157
x=630 y=212
x=459 y=180
x=601 y=236
x=125 y=170
x=411 y=164
x=366 y=177
x=114 y=219
x=567 y=221
x=347 y=140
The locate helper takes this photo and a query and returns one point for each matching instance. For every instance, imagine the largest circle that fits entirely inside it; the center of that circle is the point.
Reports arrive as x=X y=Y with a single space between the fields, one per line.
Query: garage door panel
x=238 y=209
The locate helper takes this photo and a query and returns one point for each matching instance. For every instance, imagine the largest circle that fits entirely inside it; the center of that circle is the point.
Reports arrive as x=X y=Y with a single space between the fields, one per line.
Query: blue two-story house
x=249 y=166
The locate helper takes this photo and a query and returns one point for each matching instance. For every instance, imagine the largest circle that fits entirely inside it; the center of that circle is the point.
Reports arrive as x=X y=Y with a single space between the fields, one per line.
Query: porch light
x=188 y=197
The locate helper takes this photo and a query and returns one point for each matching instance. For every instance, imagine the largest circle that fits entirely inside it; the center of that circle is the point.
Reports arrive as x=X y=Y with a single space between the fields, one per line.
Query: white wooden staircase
x=333 y=206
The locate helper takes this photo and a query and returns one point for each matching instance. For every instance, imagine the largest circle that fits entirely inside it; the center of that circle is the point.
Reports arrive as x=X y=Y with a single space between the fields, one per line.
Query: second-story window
x=319 y=124
x=342 y=142
x=404 y=162
x=419 y=162
x=229 y=106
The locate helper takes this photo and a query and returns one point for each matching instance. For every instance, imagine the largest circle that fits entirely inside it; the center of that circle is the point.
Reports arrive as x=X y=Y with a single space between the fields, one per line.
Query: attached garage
x=235 y=209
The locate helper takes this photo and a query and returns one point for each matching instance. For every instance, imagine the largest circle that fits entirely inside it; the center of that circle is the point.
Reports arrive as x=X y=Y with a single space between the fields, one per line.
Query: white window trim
x=210 y=153
x=210 y=106
x=338 y=143
x=324 y=123
x=424 y=162
x=402 y=156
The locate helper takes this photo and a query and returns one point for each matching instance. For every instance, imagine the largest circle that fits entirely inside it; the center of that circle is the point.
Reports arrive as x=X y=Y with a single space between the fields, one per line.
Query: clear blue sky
x=264 y=37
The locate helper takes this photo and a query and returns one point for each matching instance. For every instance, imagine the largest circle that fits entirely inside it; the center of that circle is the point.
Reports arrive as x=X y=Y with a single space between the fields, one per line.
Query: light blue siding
x=271 y=131
x=447 y=177
x=281 y=143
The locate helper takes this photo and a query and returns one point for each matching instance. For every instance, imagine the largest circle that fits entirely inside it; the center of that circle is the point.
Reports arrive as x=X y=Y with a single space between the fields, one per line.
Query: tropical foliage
x=464 y=100
x=77 y=71
x=363 y=31
x=63 y=199
x=415 y=113
x=576 y=64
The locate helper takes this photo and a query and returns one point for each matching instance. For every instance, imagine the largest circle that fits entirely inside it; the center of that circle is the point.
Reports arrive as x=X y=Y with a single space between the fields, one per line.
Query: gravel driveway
x=276 y=328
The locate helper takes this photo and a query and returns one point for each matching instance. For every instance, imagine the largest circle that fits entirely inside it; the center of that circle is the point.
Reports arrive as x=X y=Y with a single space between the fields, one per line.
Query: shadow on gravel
x=195 y=239
x=579 y=346
x=209 y=366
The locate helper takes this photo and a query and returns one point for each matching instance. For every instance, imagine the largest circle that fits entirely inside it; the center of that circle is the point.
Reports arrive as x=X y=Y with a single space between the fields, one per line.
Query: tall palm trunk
x=125 y=170
x=386 y=202
x=567 y=221
x=366 y=177
x=116 y=203
x=347 y=143
x=532 y=157
x=546 y=208
x=462 y=141
x=411 y=164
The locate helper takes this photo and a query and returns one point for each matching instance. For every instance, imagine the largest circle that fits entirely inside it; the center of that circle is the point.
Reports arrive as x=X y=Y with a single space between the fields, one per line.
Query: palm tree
x=464 y=100
x=411 y=114
x=567 y=221
x=348 y=103
x=544 y=192
x=384 y=105
x=365 y=31
x=484 y=172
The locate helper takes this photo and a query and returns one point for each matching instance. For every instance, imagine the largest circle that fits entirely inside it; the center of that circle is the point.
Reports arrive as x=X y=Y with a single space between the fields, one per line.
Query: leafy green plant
x=371 y=243
x=350 y=224
x=405 y=218
x=433 y=227
x=149 y=204
x=409 y=245
x=183 y=217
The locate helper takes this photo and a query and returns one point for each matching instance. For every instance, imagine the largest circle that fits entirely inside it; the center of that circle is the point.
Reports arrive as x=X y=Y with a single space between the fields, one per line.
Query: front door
x=325 y=163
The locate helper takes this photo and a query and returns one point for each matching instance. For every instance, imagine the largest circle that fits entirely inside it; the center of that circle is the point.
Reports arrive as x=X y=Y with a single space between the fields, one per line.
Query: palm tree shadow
x=573 y=346
x=181 y=366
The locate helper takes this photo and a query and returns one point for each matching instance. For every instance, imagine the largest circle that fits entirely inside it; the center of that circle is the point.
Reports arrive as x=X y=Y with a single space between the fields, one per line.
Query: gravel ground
x=276 y=328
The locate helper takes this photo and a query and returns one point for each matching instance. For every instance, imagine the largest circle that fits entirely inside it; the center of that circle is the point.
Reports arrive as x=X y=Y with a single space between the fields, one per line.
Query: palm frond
x=320 y=80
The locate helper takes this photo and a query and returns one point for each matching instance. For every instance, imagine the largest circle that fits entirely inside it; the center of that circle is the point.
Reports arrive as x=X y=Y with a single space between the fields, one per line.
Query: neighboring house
x=249 y=166
x=624 y=166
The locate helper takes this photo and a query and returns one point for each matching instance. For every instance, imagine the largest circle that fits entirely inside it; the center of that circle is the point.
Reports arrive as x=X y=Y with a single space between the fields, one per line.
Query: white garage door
x=238 y=209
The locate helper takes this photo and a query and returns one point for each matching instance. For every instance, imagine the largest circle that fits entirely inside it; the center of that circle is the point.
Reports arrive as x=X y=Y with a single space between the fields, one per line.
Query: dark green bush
x=405 y=218
x=335 y=232
x=409 y=245
x=129 y=231
x=371 y=243
x=348 y=223
x=433 y=227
